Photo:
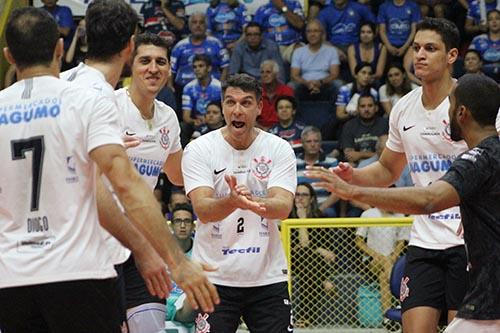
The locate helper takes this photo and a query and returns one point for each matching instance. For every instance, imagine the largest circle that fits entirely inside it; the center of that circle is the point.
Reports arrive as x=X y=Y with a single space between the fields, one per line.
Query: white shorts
x=460 y=325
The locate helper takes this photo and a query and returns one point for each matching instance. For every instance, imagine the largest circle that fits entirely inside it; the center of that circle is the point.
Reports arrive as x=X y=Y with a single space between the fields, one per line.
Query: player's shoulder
x=408 y=101
x=165 y=109
x=206 y=142
x=273 y=141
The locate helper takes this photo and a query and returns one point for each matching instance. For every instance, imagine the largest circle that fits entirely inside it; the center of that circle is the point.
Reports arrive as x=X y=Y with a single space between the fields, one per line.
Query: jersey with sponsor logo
x=245 y=247
x=475 y=175
x=398 y=20
x=158 y=141
x=89 y=77
x=195 y=97
x=226 y=23
x=423 y=136
x=275 y=24
x=49 y=228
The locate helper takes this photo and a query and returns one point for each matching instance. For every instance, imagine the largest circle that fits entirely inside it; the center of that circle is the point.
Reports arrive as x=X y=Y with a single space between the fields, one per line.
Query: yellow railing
x=339 y=285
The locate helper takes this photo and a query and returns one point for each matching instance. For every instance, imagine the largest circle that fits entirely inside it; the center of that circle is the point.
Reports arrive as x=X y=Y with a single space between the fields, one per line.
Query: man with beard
x=419 y=137
x=360 y=135
x=473 y=183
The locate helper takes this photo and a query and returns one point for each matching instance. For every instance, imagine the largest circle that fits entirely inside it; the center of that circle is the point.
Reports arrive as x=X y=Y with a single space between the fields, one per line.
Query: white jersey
x=49 y=229
x=423 y=135
x=159 y=141
x=246 y=248
x=89 y=77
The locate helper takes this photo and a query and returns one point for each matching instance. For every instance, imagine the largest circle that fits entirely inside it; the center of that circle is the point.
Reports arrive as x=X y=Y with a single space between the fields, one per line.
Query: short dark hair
x=148 y=38
x=370 y=24
x=366 y=94
x=253 y=24
x=362 y=65
x=216 y=103
x=31 y=36
x=446 y=29
x=476 y=52
x=109 y=25
x=183 y=206
x=245 y=82
x=291 y=99
x=481 y=95
x=202 y=57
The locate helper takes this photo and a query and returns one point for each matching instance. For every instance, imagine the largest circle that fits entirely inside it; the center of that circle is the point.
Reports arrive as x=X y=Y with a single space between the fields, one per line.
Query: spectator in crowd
x=64 y=19
x=197 y=43
x=476 y=22
x=287 y=128
x=315 y=66
x=166 y=18
x=197 y=94
x=369 y=50
x=472 y=62
x=438 y=7
x=397 y=85
x=360 y=134
x=347 y=99
x=250 y=52
x=398 y=22
x=226 y=21
x=312 y=256
x=342 y=20
x=77 y=51
x=381 y=247
x=488 y=45
x=272 y=88
x=179 y=315
x=214 y=119
x=313 y=155
x=282 y=21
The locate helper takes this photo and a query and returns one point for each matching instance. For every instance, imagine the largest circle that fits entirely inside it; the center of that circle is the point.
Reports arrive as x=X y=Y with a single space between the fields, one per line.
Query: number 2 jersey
x=49 y=229
x=423 y=136
x=245 y=247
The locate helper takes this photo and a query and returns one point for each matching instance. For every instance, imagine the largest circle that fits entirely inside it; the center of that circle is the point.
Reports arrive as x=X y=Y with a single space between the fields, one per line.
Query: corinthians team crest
x=261 y=167
x=164 y=139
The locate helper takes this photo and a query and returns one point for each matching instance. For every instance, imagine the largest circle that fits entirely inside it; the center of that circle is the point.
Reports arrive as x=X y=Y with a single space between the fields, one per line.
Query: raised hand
x=343 y=170
x=154 y=272
x=241 y=197
x=330 y=181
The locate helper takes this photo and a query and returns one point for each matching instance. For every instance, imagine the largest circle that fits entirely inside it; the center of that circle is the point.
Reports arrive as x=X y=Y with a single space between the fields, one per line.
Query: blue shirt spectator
x=165 y=21
x=196 y=97
x=64 y=19
x=489 y=50
x=227 y=20
x=275 y=23
x=342 y=22
x=398 y=19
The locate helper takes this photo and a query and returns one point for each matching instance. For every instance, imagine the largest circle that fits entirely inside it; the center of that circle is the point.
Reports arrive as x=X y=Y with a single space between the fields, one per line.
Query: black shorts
x=136 y=292
x=81 y=306
x=434 y=278
x=264 y=309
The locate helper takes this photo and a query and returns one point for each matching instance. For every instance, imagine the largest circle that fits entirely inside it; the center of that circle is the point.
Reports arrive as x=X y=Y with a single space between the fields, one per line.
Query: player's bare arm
x=149 y=263
x=144 y=211
x=408 y=200
x=172 y=168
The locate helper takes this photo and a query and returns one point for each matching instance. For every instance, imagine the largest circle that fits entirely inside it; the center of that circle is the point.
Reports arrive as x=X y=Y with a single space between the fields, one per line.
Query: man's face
x=311 y=143
x=430 y=58
x=201 y=70
x=285 y=110
x=182 y=222
x=253 y=36
x=197 y=25
x=472 y=63
x=49 y=3
x=314 y=33
x=455 y=131
x=213 y=117
x=367 y=108
x=150 y=69
x=240 y=110
x=267 y=76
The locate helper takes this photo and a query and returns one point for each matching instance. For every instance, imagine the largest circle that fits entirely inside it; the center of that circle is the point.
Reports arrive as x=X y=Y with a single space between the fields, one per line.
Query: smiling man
x=419 y=137
x=241 y=181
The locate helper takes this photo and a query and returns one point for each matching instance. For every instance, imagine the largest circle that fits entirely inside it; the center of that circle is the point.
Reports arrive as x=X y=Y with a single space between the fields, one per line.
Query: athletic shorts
x=81 y=306
x=136 y=292
x=434 y=278
x=264 y=309
x=460 y=325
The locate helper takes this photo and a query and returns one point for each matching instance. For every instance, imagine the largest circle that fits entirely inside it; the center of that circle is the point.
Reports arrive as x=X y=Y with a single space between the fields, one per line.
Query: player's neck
x=111 y=70
x=145 y=104
x=435 y=92
x=38 y=70
x=474 y=136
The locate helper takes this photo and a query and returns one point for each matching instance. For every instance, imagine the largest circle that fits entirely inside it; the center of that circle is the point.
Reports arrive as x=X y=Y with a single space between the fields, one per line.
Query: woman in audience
x=488 y=46
x=77 y=51
x=397 y=85
x=226 y=20
x=367 y=50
